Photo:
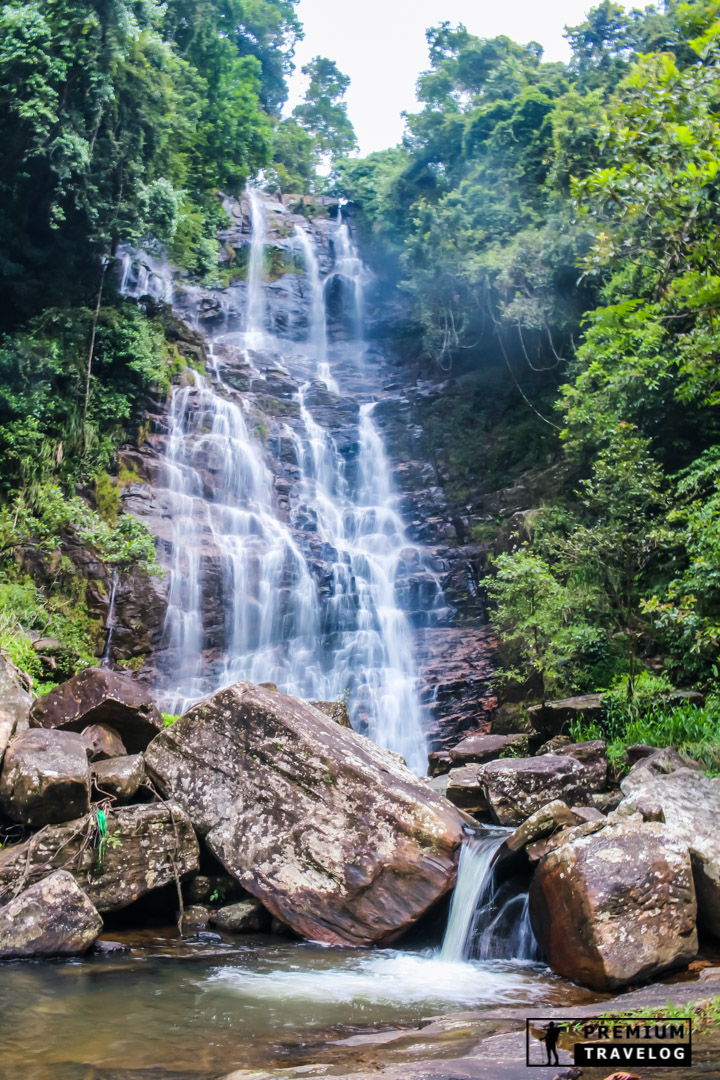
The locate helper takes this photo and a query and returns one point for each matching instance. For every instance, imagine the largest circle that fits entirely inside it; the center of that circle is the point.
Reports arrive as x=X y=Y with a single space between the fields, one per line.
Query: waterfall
x=306 y=596
x=489 y=914
x=349 y=266
x=110 y=621
x=318 y=315
x=256 y=307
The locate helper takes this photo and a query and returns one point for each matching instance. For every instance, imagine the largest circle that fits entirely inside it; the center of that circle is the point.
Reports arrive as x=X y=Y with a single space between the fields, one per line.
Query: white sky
x=381 y=45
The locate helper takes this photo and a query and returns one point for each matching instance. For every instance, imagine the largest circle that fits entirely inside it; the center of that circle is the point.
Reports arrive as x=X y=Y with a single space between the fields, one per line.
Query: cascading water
x=349 y=267
x=256 y=306
x=318 y=316
x=489 y=914
x=111 y=620
x=307 y=598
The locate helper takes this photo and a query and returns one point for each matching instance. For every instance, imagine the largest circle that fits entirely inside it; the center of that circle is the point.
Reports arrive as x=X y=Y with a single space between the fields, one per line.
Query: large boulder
x=690 y=804
x=331 y=833
x=144 y=847
x=555 y=717
x=517 y=787
x=54 y=917
x=101 y=696
x=615 y=907
x=45 y=778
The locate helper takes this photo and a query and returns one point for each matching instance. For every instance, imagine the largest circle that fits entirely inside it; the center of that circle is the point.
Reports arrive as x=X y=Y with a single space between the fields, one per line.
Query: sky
x=381 y=45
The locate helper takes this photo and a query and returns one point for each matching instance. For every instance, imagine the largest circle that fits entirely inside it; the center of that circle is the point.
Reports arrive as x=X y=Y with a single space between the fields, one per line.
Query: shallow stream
x=171 y=1011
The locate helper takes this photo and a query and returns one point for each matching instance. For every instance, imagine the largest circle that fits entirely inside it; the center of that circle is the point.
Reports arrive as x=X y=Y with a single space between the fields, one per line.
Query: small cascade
x=256 y=306
x=489 y=914
x=318 y=314
x=142 y=274
x=110 y=621
x=350 y=267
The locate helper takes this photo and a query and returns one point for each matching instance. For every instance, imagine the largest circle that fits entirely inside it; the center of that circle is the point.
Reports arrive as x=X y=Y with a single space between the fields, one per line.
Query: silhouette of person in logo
x=552 y=1034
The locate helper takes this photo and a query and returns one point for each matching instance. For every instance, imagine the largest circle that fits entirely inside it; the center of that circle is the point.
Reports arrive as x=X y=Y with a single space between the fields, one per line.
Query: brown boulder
x=104 y=742
x=45 y=778
x=616 y=907
x=517 y=787
x=477 y=749
x=100 y=696
x=331 y=833
x=548 y=819
x=690 y=804
x=464 y=788
x=540 y=848
x=54 y=917
x=120 y=777
x=592 y=755
x=15 y=705
x=143 y=849
x=245 y=917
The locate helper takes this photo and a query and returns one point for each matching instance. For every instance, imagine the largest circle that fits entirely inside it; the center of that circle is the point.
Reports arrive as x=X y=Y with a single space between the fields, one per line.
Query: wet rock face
x=331 y=833
x=616 y=907
x=100 y=696
x=517 y=787
x=690 y=804
x=144 y=847
x=45 y=778
x=455 y=669
x=51 y=918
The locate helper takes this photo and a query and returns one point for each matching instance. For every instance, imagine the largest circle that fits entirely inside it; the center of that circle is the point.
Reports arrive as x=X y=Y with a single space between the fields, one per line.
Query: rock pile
x=320 y=831
x=621 y=879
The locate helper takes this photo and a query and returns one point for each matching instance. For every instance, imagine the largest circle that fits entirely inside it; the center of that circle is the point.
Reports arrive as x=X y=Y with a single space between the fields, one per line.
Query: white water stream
x=489 y=917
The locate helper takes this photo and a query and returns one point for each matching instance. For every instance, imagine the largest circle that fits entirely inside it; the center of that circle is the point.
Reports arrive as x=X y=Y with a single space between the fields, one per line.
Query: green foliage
x=323 y=113
x=169 y=718
x=41 y=523
x=537 y=619
x=650 y=718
